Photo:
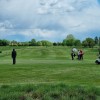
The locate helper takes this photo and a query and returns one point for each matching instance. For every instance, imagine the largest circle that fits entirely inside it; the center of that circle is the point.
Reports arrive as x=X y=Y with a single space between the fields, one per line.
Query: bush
x=0 y=51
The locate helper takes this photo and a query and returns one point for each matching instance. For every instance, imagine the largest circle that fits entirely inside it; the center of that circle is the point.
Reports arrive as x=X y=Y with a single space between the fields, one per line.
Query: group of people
x=78 y=53
x=74 y=53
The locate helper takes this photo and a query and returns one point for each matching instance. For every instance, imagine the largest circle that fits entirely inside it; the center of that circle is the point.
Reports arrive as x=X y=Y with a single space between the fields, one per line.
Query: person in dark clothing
x=72 y=55
x=14 y=54
x=78 y=54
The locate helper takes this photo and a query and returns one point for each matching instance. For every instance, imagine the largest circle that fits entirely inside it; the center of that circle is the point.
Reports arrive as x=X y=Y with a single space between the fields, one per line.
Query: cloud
x=6 y=25
x=52 y=19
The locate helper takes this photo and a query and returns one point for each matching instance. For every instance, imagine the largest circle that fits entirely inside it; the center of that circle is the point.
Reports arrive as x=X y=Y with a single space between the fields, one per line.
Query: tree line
x=70 y=40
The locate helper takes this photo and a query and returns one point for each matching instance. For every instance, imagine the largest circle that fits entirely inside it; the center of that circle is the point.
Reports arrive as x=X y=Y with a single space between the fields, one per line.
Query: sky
x=53 y=20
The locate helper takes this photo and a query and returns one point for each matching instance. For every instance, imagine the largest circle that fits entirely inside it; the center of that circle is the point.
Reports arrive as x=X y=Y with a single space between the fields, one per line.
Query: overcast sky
x=51 y=20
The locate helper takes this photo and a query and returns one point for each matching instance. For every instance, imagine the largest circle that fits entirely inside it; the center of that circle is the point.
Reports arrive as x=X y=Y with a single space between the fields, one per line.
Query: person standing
x=14 y=54
x=72 y=55
x=78 y=54
x=81 y=55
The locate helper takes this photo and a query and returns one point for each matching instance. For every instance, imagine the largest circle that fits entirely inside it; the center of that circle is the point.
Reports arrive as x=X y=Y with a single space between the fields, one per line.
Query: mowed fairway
x=48 y=65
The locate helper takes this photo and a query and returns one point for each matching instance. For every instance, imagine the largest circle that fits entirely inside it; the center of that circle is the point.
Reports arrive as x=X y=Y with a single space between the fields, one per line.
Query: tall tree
x=96 y=40
x=46 y=43
x=69 y=40
x=70 y=36
x=88 y=42
x=85 y=43
x=77 y=43
x=99 y=46
x=39 y=43
x=32 y=42
x=4 y=42
x=99 y=41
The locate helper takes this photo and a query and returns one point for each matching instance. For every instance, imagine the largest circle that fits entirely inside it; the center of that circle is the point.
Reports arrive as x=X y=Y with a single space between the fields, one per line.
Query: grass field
x=49 y=66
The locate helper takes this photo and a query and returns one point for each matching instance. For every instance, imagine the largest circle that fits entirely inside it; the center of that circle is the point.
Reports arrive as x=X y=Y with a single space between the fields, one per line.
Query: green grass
x=48 y=92
x=46 y=66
